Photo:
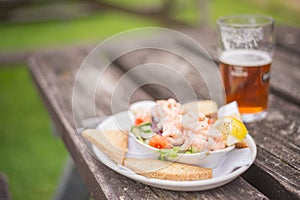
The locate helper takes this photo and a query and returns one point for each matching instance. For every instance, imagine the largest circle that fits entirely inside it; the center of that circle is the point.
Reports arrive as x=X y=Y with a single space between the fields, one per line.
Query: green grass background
x=30 y=155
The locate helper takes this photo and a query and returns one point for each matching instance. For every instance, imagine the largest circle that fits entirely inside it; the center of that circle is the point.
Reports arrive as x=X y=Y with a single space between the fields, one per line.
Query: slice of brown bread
x=207 y=107
x=167 y=170
x=114 y=143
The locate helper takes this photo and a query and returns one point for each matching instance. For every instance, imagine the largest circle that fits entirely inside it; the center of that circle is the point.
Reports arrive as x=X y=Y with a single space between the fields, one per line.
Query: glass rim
x=233 y=20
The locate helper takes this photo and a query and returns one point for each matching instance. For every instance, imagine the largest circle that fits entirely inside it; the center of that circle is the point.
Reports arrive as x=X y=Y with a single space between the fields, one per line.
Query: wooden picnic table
x=275 y=173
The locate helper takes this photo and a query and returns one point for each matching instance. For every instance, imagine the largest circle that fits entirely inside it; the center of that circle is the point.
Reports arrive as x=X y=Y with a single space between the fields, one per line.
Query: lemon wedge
x=233 y=130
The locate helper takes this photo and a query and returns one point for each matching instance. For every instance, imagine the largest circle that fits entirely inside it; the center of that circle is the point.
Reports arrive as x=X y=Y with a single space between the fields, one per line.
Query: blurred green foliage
x=67 y=32
x=283 y=12
x=30 y=156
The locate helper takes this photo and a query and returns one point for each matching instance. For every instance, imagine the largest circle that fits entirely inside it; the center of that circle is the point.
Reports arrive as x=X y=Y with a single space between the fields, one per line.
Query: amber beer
x=246 y=75
x=245 y=49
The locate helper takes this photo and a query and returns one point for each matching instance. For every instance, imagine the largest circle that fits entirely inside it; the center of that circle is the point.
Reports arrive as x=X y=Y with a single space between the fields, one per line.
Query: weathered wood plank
x=54 y=75
x=157 y=58
x=277 y=168
x=279 y=132
x=288 y=37
x=274 y=177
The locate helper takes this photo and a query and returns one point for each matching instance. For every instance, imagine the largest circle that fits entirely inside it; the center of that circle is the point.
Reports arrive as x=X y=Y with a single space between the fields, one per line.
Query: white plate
x=123 y=121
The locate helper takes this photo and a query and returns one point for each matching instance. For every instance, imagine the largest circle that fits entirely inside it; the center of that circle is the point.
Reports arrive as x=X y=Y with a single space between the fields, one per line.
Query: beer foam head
x=246 y=58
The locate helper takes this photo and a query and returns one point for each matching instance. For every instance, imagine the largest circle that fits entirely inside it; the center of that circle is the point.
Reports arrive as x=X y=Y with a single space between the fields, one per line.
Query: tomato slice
x=158 y=142
x=210 y=121
x=138 y=121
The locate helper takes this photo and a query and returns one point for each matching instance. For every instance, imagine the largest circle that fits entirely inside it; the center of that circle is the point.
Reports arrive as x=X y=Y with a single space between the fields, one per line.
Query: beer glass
x=245 y=48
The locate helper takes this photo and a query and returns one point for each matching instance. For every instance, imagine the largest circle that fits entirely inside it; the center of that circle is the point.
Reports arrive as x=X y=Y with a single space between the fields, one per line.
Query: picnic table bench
x=275 y=173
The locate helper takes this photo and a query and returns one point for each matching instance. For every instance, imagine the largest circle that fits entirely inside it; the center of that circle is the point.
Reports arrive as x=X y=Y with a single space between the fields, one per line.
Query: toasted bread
x=207 y=107
x=114 y=143
x=167 y=170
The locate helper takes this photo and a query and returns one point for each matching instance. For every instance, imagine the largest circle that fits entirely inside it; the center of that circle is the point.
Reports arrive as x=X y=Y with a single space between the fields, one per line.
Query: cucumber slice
x=146 y=135
x=146 y=124
x=136 y=131
x=146 y=129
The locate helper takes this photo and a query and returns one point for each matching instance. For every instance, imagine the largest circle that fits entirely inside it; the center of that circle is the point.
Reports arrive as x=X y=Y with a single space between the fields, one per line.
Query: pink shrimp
x=143 y=114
